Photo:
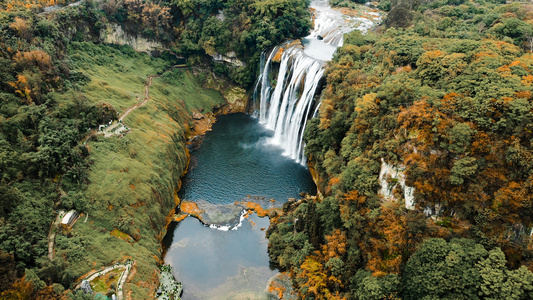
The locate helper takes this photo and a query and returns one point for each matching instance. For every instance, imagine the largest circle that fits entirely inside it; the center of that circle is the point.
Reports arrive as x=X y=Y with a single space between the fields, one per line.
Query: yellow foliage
x=335 y=245
x=22 y=88
x=312 y=269
x=484 y=54
x=15 y=5
x=430 y=56
x=527 y=80
x=367 y=103
x=21 y=27
x=277 y=57
x=326 y=113
x=387 y=250
x=21 y=289
x=190 y=208
x=260 y=211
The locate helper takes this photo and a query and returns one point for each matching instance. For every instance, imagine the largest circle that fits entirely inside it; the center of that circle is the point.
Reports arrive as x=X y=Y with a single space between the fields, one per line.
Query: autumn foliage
x=453 y=110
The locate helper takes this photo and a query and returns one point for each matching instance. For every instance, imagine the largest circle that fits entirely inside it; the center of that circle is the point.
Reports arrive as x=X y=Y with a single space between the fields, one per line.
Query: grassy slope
x=133 y=177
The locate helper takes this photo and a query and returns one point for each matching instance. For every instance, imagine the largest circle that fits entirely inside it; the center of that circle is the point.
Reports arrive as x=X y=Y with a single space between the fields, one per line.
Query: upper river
x=236 y=159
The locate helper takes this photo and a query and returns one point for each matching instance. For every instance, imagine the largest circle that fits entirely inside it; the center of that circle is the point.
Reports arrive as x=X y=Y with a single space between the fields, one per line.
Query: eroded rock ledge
x=227 y=216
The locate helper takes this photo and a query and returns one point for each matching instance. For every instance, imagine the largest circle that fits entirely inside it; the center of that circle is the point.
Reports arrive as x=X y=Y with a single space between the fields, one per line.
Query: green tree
x=442 y=270
x=462 y=169
x=367 y=287
x=462 y=269
x=499 y=283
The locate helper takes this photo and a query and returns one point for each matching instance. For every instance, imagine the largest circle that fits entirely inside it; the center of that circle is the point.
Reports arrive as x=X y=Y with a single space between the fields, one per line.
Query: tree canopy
x=441 y=93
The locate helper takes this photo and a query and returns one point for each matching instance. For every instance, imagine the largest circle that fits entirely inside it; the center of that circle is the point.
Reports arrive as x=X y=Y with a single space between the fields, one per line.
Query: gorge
x=417 y=135
x=234 y=163
x=260 y=160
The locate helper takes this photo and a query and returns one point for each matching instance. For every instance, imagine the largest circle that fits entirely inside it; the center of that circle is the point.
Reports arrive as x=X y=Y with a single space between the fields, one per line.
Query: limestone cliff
x=115 y=34
x=230 y=58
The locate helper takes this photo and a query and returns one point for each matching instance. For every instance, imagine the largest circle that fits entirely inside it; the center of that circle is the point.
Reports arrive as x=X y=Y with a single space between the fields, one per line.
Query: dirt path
x=118 y=127
x=93 y=132
x=52 y=233
x=147 y=91
x=146 y=98
x=122 y=280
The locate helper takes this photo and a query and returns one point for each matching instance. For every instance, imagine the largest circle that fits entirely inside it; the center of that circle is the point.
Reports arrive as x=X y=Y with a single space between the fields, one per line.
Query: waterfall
x=286 y=107
x=287 y=103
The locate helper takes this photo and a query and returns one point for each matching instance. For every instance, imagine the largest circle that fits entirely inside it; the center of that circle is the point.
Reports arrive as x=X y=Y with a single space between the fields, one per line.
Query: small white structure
x=229 y=57
x=70 y=217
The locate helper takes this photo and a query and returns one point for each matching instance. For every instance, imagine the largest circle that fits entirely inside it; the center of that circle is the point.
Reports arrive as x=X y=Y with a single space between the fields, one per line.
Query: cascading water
x=285 y=106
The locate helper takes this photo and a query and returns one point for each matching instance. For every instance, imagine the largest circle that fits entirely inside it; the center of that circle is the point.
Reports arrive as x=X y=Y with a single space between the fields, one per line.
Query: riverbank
x=133 y=176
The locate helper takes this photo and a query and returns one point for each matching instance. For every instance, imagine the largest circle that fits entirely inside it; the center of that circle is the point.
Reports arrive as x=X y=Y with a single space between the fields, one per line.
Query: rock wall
x=230 y=58
x=389 y=177
x=115 y=34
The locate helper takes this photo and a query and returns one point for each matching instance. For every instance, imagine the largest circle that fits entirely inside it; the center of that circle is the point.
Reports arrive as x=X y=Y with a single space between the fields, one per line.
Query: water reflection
x=235 y=160
x=214 y=264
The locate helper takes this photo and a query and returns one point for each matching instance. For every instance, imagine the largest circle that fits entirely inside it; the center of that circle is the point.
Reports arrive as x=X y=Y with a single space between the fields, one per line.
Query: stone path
x=122 y=280
x=54 y=227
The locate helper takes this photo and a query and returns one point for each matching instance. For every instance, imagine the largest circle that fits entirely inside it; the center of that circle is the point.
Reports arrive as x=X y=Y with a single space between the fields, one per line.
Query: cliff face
x=230 y=58
x=113 y=33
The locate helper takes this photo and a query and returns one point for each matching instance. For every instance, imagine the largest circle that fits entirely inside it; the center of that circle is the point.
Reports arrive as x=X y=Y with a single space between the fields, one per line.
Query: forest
x=442 y=93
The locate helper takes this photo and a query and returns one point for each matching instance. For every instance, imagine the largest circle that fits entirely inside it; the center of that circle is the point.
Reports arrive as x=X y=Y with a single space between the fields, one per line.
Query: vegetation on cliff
x=57 y=83
x=126 y=184
x=445 y=95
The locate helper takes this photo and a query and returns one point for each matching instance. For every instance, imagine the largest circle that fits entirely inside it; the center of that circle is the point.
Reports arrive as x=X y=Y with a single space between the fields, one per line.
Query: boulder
x=86 y=287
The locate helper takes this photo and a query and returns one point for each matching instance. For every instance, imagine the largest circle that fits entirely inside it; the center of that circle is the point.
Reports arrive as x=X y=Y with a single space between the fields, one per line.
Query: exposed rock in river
x=220 y=215
x=228 y=216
